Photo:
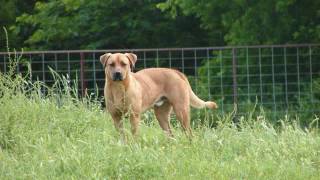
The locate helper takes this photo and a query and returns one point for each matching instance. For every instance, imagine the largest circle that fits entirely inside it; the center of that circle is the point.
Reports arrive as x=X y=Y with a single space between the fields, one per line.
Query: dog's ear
x=132 y=58
x=104 y=58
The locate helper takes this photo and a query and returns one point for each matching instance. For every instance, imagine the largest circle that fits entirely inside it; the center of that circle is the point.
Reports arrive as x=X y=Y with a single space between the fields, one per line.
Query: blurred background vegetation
x=102 y=24
x=117 y=24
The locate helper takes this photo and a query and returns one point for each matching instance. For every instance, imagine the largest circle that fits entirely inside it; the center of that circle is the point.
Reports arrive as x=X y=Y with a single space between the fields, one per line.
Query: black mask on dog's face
x=117 y=76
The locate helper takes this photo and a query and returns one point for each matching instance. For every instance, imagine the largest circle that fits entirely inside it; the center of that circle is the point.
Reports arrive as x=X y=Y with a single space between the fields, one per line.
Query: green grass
x=59 y=136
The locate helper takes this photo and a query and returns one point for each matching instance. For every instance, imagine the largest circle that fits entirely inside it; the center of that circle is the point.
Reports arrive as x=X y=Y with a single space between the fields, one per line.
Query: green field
x=59 y=136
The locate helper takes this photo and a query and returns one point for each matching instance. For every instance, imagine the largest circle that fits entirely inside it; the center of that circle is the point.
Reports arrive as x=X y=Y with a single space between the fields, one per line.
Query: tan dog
x=159 y=88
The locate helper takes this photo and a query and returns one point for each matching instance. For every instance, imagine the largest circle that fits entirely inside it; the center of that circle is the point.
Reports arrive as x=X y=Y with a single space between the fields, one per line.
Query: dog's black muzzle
x=117 y=76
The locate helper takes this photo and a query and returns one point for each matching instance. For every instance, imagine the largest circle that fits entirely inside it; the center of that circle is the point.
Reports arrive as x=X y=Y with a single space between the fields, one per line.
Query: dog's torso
x=145 y=89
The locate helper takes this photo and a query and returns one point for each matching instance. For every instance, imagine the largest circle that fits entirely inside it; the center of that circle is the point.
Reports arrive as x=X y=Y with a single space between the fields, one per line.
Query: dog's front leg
x=117 y=121
x=134 y=121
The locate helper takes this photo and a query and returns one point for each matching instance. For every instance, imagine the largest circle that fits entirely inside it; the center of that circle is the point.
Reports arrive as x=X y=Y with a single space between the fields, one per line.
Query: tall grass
x=51 y=133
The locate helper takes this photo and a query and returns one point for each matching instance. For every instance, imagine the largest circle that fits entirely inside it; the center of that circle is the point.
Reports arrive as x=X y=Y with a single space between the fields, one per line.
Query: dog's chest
x=117 y=99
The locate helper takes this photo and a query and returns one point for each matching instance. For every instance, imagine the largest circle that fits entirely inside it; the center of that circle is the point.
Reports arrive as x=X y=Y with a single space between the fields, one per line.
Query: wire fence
x=281 y=78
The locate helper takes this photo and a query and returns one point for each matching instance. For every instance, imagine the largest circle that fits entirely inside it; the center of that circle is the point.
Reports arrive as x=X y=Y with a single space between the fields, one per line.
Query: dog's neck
x=117 y=92
x=118 y=88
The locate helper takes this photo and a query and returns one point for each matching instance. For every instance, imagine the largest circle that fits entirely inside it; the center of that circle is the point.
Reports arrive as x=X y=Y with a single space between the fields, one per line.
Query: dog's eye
x=112 y=64
x=123 y=64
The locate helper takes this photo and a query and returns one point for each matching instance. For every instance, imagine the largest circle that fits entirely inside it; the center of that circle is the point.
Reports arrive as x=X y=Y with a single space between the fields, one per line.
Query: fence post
x=83 y=85
x=170 y=59
x=208 y=74
x=195 y=71
x=311 y=79
x=144 y=60
x=273 y=85
x=221 y=80
x=182 y=56
x=286 y=79
x=94 y=72
x=30 y=60
x=43 y=72
x=260 y=78
x=5 y=64
x=234 y=79
x=157 y=58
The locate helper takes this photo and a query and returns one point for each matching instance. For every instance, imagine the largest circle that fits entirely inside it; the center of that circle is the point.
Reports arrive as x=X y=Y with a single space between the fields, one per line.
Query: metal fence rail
x=281 y=78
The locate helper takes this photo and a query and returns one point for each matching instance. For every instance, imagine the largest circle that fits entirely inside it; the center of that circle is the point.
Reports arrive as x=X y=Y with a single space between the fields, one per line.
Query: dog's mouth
x=117 y=76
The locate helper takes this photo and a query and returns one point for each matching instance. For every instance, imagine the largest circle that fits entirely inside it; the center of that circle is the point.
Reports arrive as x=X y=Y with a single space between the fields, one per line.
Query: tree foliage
x=91 y=24
x=9 y=10
x=254 y=21
x=79 y=24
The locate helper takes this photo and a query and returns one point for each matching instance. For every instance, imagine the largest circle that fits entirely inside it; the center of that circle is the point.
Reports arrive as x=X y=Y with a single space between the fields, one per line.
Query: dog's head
x=117 y=66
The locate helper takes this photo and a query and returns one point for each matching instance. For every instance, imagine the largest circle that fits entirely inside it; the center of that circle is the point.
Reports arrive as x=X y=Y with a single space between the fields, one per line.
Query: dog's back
x=170 y=81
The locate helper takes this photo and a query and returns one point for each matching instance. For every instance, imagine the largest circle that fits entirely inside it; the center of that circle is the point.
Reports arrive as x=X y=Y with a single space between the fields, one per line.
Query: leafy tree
x=9 y=10
x=91 y=24
x=247 y=22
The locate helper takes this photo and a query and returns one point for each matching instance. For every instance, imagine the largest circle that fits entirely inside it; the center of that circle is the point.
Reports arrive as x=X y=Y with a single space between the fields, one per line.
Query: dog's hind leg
x=182 y=112
x=163 y=116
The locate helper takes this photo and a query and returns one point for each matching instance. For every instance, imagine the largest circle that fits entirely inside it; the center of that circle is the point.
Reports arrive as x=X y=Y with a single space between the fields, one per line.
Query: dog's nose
x=117 y=76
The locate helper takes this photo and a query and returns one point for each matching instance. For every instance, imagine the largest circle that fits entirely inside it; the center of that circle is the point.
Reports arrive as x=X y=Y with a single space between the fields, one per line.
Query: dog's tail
x=198 y=103
x=195 y=101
